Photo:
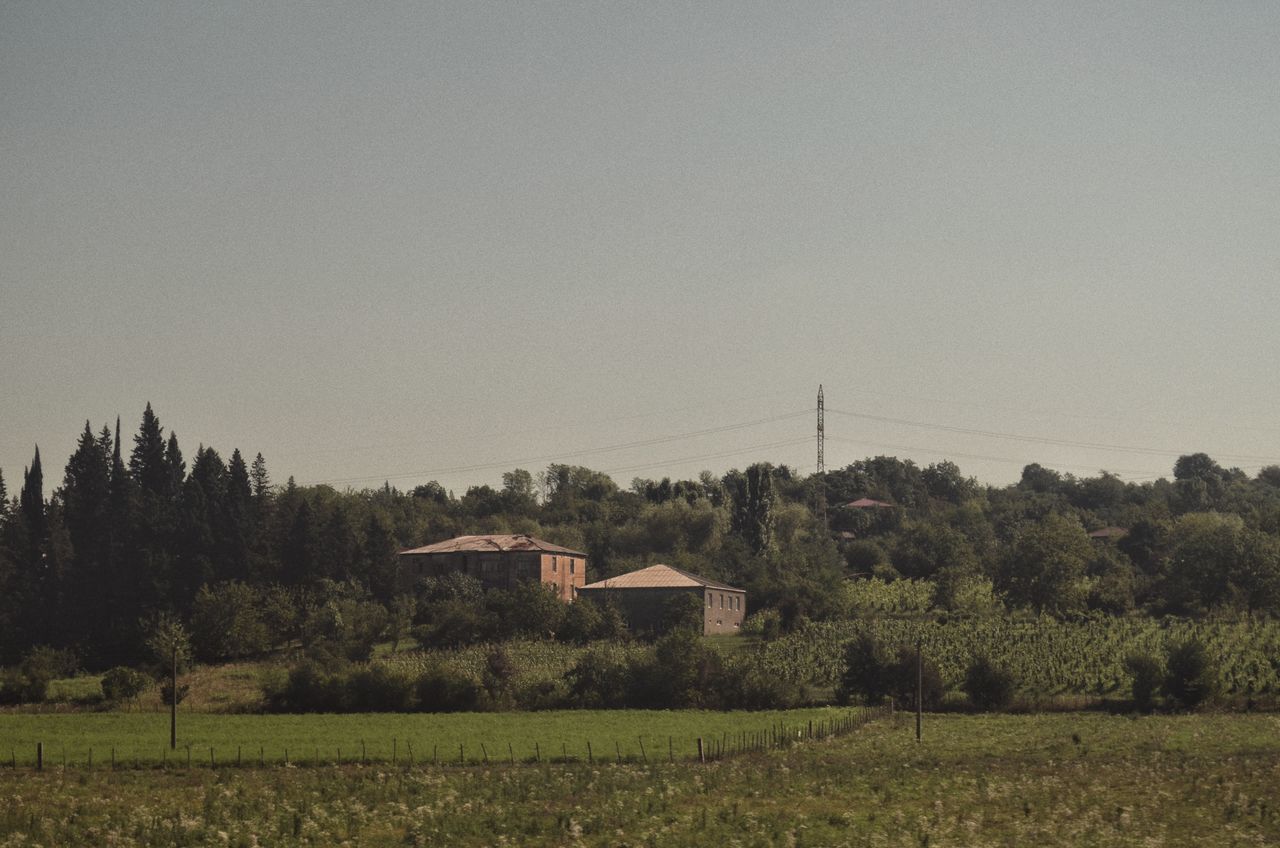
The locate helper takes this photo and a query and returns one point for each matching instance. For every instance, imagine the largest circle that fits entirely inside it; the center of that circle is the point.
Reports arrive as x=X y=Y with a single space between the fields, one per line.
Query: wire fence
x=410 y=753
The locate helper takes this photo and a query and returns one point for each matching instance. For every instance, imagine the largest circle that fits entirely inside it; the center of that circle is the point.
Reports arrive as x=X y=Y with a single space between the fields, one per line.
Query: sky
x=413 y=241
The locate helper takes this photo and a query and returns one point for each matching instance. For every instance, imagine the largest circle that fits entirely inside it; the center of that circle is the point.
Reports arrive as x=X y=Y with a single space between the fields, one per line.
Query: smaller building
x=498 y=562
x=868 y=503
x=645 y=596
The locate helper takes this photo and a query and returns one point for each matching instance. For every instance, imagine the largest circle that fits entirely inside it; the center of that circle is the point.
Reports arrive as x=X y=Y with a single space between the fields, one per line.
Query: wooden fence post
x=702 y=754
x=39 y=756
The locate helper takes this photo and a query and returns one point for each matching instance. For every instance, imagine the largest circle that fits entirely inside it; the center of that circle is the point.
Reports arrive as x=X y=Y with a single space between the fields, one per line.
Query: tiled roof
x=867 y=503
x=492 y=544
x=658 y=577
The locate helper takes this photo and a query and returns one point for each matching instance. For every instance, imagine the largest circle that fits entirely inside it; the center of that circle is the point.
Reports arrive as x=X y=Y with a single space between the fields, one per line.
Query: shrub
x=378 y=689
x=1191 y=679
x=226 y=622
x=309 y=688
x=499 y=671
x=683 y=612
x=454 y=624
x=582 y=622
x=988 y=686
x=542 y=695
x=746 y=686
x=442 y=690
x=682 y=672
x=29 y=682
x=904 y=679
x=121 y=683
x=1146 y=672
x=530 y=610
x=867 y=671
x=601 y=679
x=767 y=624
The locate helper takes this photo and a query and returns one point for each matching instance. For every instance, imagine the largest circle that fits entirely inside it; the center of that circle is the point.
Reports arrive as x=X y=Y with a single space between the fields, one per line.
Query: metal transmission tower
x=822 y=466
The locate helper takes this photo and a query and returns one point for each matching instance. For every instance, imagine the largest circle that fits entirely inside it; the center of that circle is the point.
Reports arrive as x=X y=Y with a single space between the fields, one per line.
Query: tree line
x=133 y=535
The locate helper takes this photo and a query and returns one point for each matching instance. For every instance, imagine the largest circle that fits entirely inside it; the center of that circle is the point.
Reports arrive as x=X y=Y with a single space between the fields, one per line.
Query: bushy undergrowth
x=874 y=672
x=678 y=671
x=989 y=686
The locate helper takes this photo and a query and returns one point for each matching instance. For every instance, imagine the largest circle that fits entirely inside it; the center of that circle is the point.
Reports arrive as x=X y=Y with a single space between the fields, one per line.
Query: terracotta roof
x=658 y=577
x=491 y=544
x=866 y=503
x=1109 y=533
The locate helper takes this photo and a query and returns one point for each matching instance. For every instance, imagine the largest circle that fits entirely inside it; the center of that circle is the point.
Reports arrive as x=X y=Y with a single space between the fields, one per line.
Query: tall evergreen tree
x=4 y=497
x=237 y=514
x=176 y=465
x=754 y=498
x=239 y=488
x=147 y=462
x=31 y=501
x=260 y=479
x=88 y=584
x=130 y=599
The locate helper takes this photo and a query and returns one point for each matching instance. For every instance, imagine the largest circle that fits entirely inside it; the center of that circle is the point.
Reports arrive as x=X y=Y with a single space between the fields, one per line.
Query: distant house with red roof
x=644 y=597
x=498 y=562
x=868 y=503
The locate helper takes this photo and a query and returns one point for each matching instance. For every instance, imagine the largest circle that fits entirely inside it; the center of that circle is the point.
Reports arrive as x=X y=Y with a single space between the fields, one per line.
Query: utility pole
x=919 y=684
x=173 y=701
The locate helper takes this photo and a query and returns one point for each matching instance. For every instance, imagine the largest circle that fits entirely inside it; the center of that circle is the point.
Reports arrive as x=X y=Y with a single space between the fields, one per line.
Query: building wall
x=723 y=611
x=565 y=573
x=645 y=609
x=498 y=569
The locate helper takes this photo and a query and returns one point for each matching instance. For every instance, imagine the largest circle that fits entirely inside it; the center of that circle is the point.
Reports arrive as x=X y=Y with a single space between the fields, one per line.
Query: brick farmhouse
x=498 y=562
x=643 y=598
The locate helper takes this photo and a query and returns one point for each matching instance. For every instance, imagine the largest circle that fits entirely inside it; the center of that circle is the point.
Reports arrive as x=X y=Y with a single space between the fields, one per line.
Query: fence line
x=775 y=736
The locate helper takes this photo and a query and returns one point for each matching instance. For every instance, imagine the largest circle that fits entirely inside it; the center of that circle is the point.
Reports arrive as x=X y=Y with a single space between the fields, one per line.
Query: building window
x=711 y=600
x=573 y=566
x=721 y=600
x=555 y=564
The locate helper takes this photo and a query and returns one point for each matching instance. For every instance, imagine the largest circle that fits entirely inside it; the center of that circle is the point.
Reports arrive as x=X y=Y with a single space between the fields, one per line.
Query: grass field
x=143 y=738
x=1087 y=780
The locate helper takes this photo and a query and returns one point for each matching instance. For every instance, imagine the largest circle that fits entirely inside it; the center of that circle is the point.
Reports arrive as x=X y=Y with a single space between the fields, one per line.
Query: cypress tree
x=87 y=584
x=175 y=465
x=4 y=497
x=31 y=501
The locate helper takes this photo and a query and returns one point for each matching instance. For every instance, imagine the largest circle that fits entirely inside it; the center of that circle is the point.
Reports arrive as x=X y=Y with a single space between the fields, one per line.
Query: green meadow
x=142 y=739
x=999 y=780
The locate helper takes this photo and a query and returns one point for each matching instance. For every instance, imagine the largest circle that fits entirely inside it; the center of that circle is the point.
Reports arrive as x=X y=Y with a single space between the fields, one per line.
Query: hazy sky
x=413 y=241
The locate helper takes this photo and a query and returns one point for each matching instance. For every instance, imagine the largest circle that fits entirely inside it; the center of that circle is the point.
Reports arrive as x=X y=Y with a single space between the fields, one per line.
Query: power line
x=703 y=457
x=1045 y=412
x=512 y=463
x=1038 y=439
x=951 y=454
x=524 y=431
